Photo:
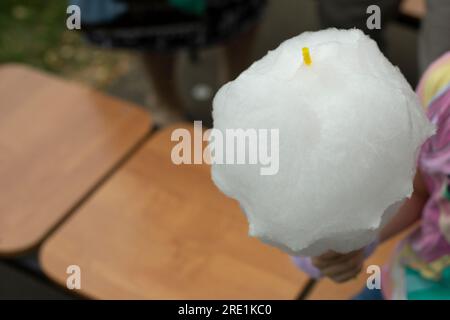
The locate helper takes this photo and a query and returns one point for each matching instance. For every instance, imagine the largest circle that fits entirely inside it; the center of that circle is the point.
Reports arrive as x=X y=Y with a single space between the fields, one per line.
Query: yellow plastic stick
x=306 y=56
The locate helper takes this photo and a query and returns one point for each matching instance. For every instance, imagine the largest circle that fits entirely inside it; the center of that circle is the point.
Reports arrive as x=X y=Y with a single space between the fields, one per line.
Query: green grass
x=30 y=30
x=34 y=32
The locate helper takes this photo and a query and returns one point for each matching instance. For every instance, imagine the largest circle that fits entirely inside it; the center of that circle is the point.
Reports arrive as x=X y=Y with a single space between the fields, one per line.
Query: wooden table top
x=160 y=231
x=57 y=140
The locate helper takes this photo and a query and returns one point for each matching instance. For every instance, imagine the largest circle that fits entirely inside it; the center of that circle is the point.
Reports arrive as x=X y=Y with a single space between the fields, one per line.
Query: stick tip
x=306 y=56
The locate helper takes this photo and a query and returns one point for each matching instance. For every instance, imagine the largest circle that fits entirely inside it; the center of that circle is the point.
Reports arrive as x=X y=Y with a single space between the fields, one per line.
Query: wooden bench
x=57 y=140
x=156 y=230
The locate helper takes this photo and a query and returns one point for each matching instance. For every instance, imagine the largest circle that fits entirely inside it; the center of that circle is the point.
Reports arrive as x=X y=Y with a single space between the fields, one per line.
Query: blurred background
x=34 y=33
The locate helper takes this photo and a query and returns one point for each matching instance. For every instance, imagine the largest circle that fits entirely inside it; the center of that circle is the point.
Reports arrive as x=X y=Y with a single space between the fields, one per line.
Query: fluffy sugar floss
x=349 y=131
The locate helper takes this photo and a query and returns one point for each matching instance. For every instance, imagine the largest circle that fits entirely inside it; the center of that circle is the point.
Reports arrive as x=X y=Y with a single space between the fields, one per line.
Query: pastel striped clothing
x=420 y=268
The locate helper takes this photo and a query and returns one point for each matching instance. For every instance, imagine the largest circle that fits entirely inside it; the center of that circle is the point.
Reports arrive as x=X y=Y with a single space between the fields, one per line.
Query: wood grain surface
x=156 y=230
x=57 y=140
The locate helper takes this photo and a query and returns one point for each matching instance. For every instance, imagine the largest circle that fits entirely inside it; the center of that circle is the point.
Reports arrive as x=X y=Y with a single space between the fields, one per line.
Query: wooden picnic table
x=57 y=141
x=156 y=230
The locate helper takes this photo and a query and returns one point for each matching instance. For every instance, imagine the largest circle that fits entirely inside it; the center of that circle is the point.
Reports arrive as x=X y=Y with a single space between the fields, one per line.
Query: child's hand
x=340 y=267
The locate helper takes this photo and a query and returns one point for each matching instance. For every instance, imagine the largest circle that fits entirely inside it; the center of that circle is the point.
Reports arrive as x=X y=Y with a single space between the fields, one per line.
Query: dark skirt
x=161 y=27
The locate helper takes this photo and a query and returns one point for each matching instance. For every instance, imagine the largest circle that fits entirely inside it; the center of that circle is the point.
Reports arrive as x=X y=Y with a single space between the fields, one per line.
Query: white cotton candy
x=350 y=127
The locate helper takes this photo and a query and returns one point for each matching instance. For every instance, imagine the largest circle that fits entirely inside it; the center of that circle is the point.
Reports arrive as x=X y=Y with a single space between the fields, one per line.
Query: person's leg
x=434 y=37
x=347 y=14
x=161 y=69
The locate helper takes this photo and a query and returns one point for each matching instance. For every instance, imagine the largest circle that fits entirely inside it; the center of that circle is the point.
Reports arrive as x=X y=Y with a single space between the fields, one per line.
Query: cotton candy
x=350 y=128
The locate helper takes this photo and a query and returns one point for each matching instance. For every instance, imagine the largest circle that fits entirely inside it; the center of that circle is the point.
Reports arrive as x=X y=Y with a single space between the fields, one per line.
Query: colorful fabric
x=435 y=80
x=430 y=241
x=428 y=270
x=420 y=288
x=420 y=267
